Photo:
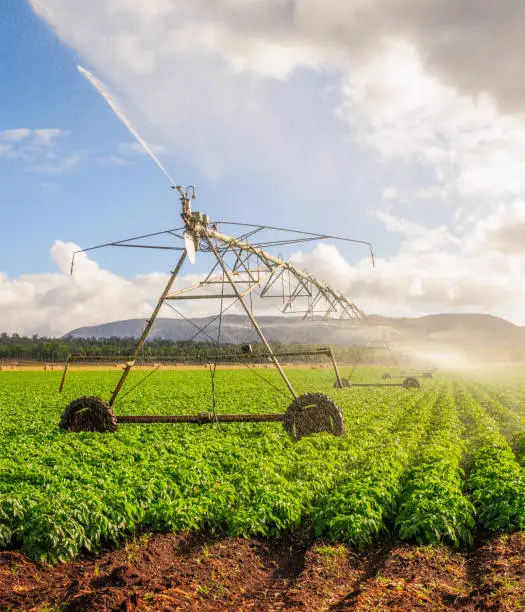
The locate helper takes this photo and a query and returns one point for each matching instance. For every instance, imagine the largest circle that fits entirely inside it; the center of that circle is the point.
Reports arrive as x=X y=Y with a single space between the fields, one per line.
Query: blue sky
x=88 y=203
x=293 y=114
x=94 y=201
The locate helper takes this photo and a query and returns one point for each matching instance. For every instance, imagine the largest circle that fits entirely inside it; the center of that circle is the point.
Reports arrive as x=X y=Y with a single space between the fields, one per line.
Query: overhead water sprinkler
x=242 y=267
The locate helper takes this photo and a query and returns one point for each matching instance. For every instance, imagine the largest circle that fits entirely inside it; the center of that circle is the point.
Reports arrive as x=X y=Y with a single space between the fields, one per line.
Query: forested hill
x=458 y=328
x=475 y=336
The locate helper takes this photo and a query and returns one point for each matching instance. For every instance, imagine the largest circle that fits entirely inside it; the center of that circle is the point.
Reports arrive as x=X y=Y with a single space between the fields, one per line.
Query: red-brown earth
x=198 y=572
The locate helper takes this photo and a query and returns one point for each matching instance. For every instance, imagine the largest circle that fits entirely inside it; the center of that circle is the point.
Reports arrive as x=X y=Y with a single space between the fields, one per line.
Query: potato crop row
x=426 y=465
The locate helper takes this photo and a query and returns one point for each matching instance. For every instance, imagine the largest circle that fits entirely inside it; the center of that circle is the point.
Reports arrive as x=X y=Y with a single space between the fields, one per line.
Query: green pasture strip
x=495 y=482
x=433 y=508
x=357 y=510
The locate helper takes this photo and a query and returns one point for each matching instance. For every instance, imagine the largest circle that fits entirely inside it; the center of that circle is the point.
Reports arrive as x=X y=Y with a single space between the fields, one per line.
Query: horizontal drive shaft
x=202 y=418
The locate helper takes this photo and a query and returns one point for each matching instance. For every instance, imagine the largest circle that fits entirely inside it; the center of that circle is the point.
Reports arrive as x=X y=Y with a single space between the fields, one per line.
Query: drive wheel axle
x=307 y=414
x=411 y=383
x=313 y=413
x=88 y=413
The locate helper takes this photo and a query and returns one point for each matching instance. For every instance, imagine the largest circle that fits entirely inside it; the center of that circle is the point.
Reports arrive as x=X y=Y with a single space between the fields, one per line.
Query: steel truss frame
x=410 y=381
x=252 y=268
x=240 y=269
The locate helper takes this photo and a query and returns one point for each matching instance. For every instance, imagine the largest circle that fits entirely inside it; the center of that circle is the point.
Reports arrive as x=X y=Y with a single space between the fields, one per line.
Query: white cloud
x=42 y=137
x=405 y=113
x=390 y=193
x=452 y=275
x=53 y=304
x=37 y=149
x=503 y=230
x=167 y=67
x=418 y=239
x=196 y=73
x=421 y=281
x=46 y=137
x=7 y=151
x=15 y=135
x=56 y=303
x=247 y=87
x=431 y=192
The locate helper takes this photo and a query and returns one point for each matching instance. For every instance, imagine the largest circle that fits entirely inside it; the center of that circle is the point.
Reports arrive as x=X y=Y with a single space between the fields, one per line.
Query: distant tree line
x=43 y=349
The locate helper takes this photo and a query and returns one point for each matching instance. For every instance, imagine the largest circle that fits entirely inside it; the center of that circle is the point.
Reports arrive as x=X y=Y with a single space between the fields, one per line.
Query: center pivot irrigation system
x=410 y=379
x=242 y=272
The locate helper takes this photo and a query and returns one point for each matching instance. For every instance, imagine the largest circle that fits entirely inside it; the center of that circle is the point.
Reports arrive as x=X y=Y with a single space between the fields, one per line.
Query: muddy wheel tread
x=313 y=413
x=411 y=383
x=88 y=413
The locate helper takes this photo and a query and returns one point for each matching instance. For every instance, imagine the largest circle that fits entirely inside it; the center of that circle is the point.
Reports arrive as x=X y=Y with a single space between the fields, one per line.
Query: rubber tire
x=313 y=413
x=411 y=383
x=345 y=381
x=88 y=413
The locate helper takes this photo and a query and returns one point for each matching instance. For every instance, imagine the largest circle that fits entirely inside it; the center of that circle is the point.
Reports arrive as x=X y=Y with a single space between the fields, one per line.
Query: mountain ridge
x=448 y=328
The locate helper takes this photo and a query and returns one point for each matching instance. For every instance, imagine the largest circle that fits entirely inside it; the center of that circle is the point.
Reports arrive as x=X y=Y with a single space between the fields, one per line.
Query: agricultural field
x=424 y=482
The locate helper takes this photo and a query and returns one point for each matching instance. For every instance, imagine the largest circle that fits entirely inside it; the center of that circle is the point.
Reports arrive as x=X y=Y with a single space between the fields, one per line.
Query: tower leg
x=64 y=374
x=147 y=329
x=252 y=319
x=336 y=369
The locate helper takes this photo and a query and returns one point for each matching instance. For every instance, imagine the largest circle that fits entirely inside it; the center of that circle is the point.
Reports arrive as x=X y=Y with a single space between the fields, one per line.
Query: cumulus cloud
x=475 y=45
x=503 y=230
x=416 y=282
x=178 y=72
x=7 y=151
x=409 y=114
x=55 y=303
x=200 y=75
x=432 y=91
x=42 y=137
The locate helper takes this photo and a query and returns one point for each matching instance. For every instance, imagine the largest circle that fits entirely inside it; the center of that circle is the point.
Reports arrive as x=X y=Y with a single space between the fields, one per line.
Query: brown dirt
x=195 y=572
